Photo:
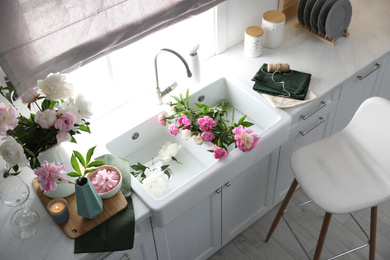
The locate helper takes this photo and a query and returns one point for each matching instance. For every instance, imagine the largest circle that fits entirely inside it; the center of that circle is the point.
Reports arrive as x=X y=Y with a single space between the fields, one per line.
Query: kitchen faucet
x=160 y=93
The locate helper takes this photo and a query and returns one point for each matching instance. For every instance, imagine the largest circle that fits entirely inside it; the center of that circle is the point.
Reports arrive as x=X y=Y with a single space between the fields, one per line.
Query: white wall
x=244 y=13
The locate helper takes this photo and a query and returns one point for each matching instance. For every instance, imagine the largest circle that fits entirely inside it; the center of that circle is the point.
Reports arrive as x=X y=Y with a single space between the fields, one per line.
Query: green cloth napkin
x=297 y=83
x=116 y=233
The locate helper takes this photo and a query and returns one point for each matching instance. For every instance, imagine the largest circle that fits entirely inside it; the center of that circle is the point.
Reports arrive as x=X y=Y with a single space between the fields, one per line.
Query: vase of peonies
x=56 y=117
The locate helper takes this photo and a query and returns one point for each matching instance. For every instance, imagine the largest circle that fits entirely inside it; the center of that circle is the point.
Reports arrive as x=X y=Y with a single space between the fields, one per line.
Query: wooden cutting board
x=77 y=225
x=288 y=7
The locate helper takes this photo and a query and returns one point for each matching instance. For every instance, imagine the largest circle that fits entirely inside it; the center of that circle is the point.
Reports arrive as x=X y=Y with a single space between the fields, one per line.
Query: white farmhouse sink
x=200 y=174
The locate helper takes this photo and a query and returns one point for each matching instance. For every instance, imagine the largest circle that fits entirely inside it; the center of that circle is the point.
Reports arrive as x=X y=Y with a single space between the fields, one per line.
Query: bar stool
x=347 y=171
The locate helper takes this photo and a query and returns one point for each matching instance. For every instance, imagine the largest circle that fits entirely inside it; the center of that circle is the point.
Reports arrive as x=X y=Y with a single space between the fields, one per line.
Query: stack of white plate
x=328 y=18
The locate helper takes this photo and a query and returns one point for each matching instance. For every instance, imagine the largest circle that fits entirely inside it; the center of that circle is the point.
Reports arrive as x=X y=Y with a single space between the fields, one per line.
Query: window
x=128 y=74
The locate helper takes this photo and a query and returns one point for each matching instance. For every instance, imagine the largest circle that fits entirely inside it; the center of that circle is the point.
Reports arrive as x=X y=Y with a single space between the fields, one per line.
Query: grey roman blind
x=38 y=37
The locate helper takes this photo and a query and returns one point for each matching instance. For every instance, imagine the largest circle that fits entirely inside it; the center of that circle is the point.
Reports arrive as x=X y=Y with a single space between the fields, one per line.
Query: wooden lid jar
x=273 y=25
x=253 y=46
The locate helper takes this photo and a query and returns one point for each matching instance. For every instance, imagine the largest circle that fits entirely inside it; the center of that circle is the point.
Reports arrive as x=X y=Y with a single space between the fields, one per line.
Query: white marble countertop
x=330 y=66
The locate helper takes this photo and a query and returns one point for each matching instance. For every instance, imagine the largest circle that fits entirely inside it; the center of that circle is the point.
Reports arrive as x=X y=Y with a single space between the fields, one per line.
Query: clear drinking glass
x=13 y=193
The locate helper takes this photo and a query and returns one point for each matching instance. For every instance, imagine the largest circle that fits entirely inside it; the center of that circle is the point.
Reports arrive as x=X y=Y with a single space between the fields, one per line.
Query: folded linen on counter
x=296 y=83
x=282 y=102
x=116 y=233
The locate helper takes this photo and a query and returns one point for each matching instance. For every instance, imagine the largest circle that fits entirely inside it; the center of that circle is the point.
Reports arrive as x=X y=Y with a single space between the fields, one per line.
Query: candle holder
x=58 y=210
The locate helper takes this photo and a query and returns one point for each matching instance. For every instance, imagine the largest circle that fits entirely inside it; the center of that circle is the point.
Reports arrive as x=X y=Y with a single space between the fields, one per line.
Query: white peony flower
x=12 y=152
x=156 y=183
x=198 y=140
x=186 y=134
x=55 y=87
x=46 y=119
x=168 y=151
x=69 y=106
x=84 y=107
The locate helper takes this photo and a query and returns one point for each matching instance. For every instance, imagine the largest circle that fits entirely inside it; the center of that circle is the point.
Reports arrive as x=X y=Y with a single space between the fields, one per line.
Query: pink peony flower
x=206 y=124
x=245 y=140
x=63 y=136
x=183 y=120
x=66 y=121
x=8 y=118
x=46 y=119
x=48 y=174
x=161 y=119
x=105 y=180
x=173 y=129
x=29 y=96
x=219 y=152
x=208 y=136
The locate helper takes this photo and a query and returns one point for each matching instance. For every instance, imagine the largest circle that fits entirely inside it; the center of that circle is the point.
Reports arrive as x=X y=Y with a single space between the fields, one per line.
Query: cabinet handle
x=228 y=184
x=218 y=191
x=126 y=256
x=377 y=65
x=323 y=104
x=311 y=129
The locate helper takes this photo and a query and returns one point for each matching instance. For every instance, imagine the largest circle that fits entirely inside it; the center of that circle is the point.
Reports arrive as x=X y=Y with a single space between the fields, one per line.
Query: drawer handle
x=218 y=191
x=311 y=129
x=228 y=184
x=377 y=65
x=323 y=104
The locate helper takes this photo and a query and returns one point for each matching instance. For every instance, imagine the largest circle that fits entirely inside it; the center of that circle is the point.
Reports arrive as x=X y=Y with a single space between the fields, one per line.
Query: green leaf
x=247 y=124
x=164 y=167
x=90 y=153
x=95 y=164
x=74 y=174
x=139 y=167
x=241 y=120
x=45 y=104
x=80 y=158
x=85 y=128
x=75 y=164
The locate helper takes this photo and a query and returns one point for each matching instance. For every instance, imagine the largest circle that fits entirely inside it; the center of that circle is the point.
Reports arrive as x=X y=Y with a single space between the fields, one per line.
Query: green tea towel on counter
x=116 y=233
x=296 y=84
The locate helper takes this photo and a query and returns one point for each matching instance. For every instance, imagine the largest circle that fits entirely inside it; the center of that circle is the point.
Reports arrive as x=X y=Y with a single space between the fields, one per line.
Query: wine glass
x=13 y=193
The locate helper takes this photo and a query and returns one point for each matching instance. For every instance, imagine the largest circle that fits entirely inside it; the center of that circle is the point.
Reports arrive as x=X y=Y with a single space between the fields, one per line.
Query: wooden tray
x=77 y=225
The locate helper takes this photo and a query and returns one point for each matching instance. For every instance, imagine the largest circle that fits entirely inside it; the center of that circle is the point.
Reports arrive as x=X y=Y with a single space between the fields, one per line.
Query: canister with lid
x=273 y=25
x=253 y=46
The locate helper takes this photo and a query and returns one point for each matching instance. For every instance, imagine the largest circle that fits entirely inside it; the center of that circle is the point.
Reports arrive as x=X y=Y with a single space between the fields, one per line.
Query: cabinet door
x=316 y=128
x=196 y=234
x=384 y=86
x=248 y=196
x=354 y=92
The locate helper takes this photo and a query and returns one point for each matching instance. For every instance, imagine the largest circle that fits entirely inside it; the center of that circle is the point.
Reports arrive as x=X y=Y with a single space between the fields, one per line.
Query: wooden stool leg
x=282 y=208
x=321 y=239
x=374 y=217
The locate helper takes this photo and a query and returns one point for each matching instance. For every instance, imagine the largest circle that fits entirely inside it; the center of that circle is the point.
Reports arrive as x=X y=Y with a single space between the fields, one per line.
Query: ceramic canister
x=273 y=25
x=253 y=45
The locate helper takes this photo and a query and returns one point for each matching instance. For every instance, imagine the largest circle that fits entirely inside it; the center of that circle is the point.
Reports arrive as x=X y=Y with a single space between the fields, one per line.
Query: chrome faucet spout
x=160 y=93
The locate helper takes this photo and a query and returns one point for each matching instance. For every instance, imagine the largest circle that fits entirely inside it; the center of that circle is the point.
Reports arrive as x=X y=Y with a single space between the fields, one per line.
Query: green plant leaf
x=241 y=120
x=75 y=164
x=85 y=128
x=95 y=164
x=74 y=174
x=247 y=124
x=80 y=158
x=90 y=153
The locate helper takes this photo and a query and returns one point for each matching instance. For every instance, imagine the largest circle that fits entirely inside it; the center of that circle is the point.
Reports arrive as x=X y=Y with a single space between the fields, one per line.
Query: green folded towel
x=116 y=233
x=296 y=84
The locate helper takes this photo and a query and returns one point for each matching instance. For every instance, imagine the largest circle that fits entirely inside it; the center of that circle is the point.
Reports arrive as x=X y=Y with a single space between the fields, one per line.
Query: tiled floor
x=343 y=234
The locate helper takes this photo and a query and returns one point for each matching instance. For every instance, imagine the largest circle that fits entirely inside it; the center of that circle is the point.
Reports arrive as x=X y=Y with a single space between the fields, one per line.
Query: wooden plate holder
x=325 y=39
x=77 y=225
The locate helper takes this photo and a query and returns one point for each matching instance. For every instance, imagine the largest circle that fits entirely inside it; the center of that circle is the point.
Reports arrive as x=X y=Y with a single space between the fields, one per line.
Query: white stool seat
x=349 y=170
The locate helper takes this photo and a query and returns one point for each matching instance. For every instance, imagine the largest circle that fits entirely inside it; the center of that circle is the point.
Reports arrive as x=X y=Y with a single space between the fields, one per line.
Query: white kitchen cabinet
x=229 y=210
x=313 y=124
x=363 y=85
x=384 y=86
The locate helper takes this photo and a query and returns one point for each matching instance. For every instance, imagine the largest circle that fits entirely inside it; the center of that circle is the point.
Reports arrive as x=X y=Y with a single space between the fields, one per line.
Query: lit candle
x=58 y=210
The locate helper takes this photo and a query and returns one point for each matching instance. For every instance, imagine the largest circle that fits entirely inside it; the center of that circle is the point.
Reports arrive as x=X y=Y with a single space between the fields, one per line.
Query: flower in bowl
x=107 y=181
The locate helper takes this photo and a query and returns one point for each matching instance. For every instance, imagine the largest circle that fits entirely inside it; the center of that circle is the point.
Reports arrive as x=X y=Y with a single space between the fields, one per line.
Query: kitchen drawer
x=315 y=108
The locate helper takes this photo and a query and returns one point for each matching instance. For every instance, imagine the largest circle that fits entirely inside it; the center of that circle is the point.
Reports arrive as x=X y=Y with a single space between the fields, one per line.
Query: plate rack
x=318 y=36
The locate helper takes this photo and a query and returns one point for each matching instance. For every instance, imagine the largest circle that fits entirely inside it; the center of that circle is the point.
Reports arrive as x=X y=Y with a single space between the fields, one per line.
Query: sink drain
x=201 y=98
x=169 y=173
